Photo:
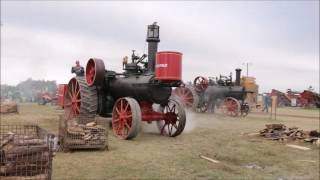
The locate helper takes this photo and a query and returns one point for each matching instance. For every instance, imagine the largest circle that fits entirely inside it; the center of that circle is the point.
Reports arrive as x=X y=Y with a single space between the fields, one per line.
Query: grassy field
x=151 y=156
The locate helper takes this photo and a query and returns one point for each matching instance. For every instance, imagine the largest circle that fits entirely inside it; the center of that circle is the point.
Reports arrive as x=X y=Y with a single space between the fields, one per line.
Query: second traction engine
x=207 y=94
x=141 y=93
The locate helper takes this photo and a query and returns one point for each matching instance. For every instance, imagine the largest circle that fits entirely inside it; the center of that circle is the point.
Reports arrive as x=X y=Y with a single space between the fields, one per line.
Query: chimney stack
x=238 y=76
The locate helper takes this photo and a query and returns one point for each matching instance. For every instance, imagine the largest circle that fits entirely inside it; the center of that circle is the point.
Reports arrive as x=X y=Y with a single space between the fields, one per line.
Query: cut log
x=23 y=170
x=75 y=133
x=75 y=142
x=87 y=137
x=76 y=129
x=314 y=133
x=6 y=139
x=24 y=150
x=23 y=137
x=275 y=126
x=91 y=124
x=37 y=177
x=33 y=158
x=28 y=142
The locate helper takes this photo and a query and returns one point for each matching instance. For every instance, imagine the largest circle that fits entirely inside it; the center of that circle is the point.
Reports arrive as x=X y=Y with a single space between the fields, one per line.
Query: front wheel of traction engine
x=175 y=119
x=126 y=118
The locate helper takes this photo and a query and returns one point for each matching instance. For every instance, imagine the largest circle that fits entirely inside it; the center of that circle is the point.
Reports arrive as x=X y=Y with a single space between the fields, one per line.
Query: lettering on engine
x=161 y=65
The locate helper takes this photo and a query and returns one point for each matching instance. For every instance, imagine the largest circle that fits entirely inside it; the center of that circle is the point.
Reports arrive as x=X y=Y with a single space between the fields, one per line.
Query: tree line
x=28 y=90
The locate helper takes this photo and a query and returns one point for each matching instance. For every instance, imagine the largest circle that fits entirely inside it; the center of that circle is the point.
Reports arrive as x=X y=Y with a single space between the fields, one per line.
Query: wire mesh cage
x=74 y=135
x=26 y=152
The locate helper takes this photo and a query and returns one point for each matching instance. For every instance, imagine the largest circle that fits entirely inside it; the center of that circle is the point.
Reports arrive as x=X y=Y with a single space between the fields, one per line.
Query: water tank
x=168 y=66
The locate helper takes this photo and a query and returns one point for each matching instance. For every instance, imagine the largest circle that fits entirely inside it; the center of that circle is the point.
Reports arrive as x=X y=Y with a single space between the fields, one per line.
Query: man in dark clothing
x=266 y=102
x=78 y=70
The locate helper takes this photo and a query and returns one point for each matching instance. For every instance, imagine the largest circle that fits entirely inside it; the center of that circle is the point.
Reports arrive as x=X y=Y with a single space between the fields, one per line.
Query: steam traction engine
x=206 y=94
x=130 y=97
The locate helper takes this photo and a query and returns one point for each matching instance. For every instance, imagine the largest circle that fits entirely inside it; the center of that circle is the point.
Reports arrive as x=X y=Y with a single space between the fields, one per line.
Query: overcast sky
x=42 y=40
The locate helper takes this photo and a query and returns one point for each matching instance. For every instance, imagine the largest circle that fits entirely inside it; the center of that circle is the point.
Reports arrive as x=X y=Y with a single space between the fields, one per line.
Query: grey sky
x=281 y=39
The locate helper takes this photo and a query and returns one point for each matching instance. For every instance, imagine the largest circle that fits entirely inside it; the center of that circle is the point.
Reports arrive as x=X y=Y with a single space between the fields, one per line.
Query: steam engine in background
x=132 y=96
x=206 y=95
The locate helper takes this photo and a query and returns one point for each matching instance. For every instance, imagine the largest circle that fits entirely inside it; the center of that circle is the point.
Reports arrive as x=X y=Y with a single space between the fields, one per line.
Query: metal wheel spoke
x=128 y=116
x=127 y=125
x=70 y=95
x=126 y=108
x=117 y=110
x=123 y=131
x=166 y=109
x=77 y=108
x=121 y=105
x=171 y=129
x=176 y=126
x=77 y=87
x=189 y=94
x=118 y=128
x=162 y=129
x=72 y=88
x=78 y=93
x=74 y=85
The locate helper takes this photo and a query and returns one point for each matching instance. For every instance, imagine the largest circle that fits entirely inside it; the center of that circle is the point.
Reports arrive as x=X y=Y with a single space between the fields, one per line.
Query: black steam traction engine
x=207 y=94
x=129 y=97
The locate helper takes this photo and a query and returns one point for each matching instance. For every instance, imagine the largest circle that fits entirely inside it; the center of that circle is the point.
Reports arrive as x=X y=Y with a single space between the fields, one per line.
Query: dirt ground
x=151 y=156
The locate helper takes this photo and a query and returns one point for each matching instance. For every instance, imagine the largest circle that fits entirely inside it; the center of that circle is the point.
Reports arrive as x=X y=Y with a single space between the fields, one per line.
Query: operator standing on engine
x=78 y=70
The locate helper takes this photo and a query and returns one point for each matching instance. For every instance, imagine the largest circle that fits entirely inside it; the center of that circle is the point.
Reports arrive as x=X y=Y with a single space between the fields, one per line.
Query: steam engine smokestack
x=153 y=40
x=238 y=76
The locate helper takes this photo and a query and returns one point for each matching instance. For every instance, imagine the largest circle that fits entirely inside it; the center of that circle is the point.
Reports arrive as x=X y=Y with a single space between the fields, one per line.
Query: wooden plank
x=209 y=159
x=298 y=147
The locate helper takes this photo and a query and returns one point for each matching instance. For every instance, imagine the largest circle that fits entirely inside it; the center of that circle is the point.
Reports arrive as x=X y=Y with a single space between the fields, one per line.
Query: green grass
x=151 y=156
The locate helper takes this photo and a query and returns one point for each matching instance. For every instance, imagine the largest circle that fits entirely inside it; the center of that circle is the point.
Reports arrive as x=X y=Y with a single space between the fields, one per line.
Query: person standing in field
x=266 y=102
x=78 y=70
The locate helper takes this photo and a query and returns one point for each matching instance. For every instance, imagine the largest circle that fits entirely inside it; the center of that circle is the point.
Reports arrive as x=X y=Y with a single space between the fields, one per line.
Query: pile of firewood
x=282 y=133
x=8 y=107
x=81 y=136
x=24 y=156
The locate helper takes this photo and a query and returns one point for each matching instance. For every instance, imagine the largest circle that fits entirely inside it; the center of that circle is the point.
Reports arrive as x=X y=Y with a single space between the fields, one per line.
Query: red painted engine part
x=149 y=115
x=61 y=92
x=168 y=66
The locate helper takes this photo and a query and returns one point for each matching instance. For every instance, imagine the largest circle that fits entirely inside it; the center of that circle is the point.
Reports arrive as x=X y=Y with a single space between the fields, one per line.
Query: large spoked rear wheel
x=187 y=95
x=231 y=106
x=126 y=118
x=175 y=119
x=80 y=100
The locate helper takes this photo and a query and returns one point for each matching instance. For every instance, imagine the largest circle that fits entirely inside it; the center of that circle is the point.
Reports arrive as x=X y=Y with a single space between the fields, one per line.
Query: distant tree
x=28 y=89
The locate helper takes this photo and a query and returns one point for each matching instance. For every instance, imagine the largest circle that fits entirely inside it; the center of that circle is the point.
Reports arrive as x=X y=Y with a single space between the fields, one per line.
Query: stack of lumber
x=8 y=107
x=282 y=133
x=23 y=156
x=82 y=134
